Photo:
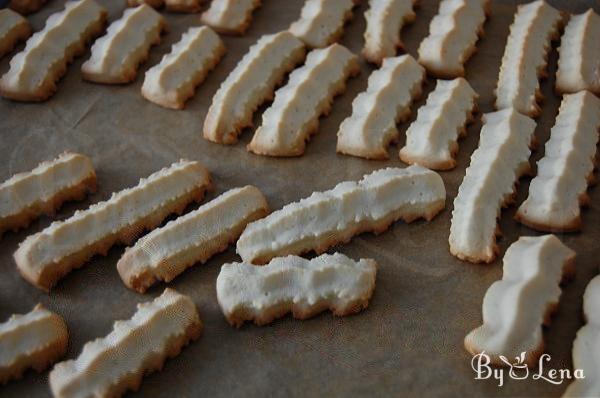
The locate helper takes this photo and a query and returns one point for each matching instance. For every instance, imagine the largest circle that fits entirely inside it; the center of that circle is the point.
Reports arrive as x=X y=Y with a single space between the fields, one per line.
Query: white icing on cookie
x=230 y=16
x=321 y=22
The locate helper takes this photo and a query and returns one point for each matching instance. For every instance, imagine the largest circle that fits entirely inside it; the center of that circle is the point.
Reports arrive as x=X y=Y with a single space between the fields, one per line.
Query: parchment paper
x=410 y=340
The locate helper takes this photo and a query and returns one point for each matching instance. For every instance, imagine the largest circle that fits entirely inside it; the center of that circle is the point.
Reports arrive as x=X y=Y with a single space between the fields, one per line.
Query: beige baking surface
x=409 y=341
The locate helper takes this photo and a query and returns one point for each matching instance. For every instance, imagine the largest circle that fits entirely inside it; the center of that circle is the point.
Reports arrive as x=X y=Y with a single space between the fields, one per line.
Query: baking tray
x=407 y=343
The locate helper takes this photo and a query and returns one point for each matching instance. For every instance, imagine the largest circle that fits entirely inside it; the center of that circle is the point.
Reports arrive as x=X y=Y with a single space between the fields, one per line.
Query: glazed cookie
x=13 y=29
x=230 y=16
x=322 y=22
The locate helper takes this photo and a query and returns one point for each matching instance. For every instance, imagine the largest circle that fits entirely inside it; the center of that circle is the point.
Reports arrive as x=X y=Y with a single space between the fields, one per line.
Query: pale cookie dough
x=250 y=84
x=294 y=115
x=13 y=29
x=327 y=218
x=515 y=307
x=26 y=196
x=586 y=347
x=117 y=55
x=375 y=112
x=33 y=340
x=321 y=22
x=34 y=71
x=112 y=365
x=230 y=16
x=189 y=6
x=293 y=284
x=44 y=258
x=579 y=61
x=559 y=189
x=26 y=6
x=490 y=184
x=194 y=238
x=525 y=57
x=453 y=33
x=385 y=19
x=173 y=81
x=431 y=140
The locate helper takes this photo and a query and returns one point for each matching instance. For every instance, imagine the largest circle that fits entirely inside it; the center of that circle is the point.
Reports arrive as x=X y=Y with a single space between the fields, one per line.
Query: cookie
x=535 y=25
x=13 y=29
x=34 y=71
x=47 y=256
x=173 y=81
x=453 y=33
x=585 y=346
x=431 y=140
x=321 y=22
x=26 y=196
x=293 y=284
x=515 y=307
x=294 y=115
x=328 y=218
x=231 y=17
x=250 y=84
x=501 y=158
x=390 y=92
x=31 y=341
x=111 y=365
x=558 y=191
x=385 y=19
x=578 y=63
x=117 y=55
x=193 y=238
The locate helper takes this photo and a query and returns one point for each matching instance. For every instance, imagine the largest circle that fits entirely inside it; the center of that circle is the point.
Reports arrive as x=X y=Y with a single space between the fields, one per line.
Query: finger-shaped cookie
x=31 y=341
x=34 y=71
x=47 y=256
x=453 y=33
x=117 y=55
x=515 y=307
x=431 y=140
x=385 y=19
x=375 y=112
x=13 y=29
x=559 y=189
x=26 y=6
x=586 y=347
x=173 y=81
x=294 y=115
x=230 y=16
x=579 y=61
x=250 y=84
x=194 y=238
x=525 y=57
x=26 y=196
x=321 y=22
x=293 y=284
x=111 y=365
x=490 y=184
x=327 y=218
